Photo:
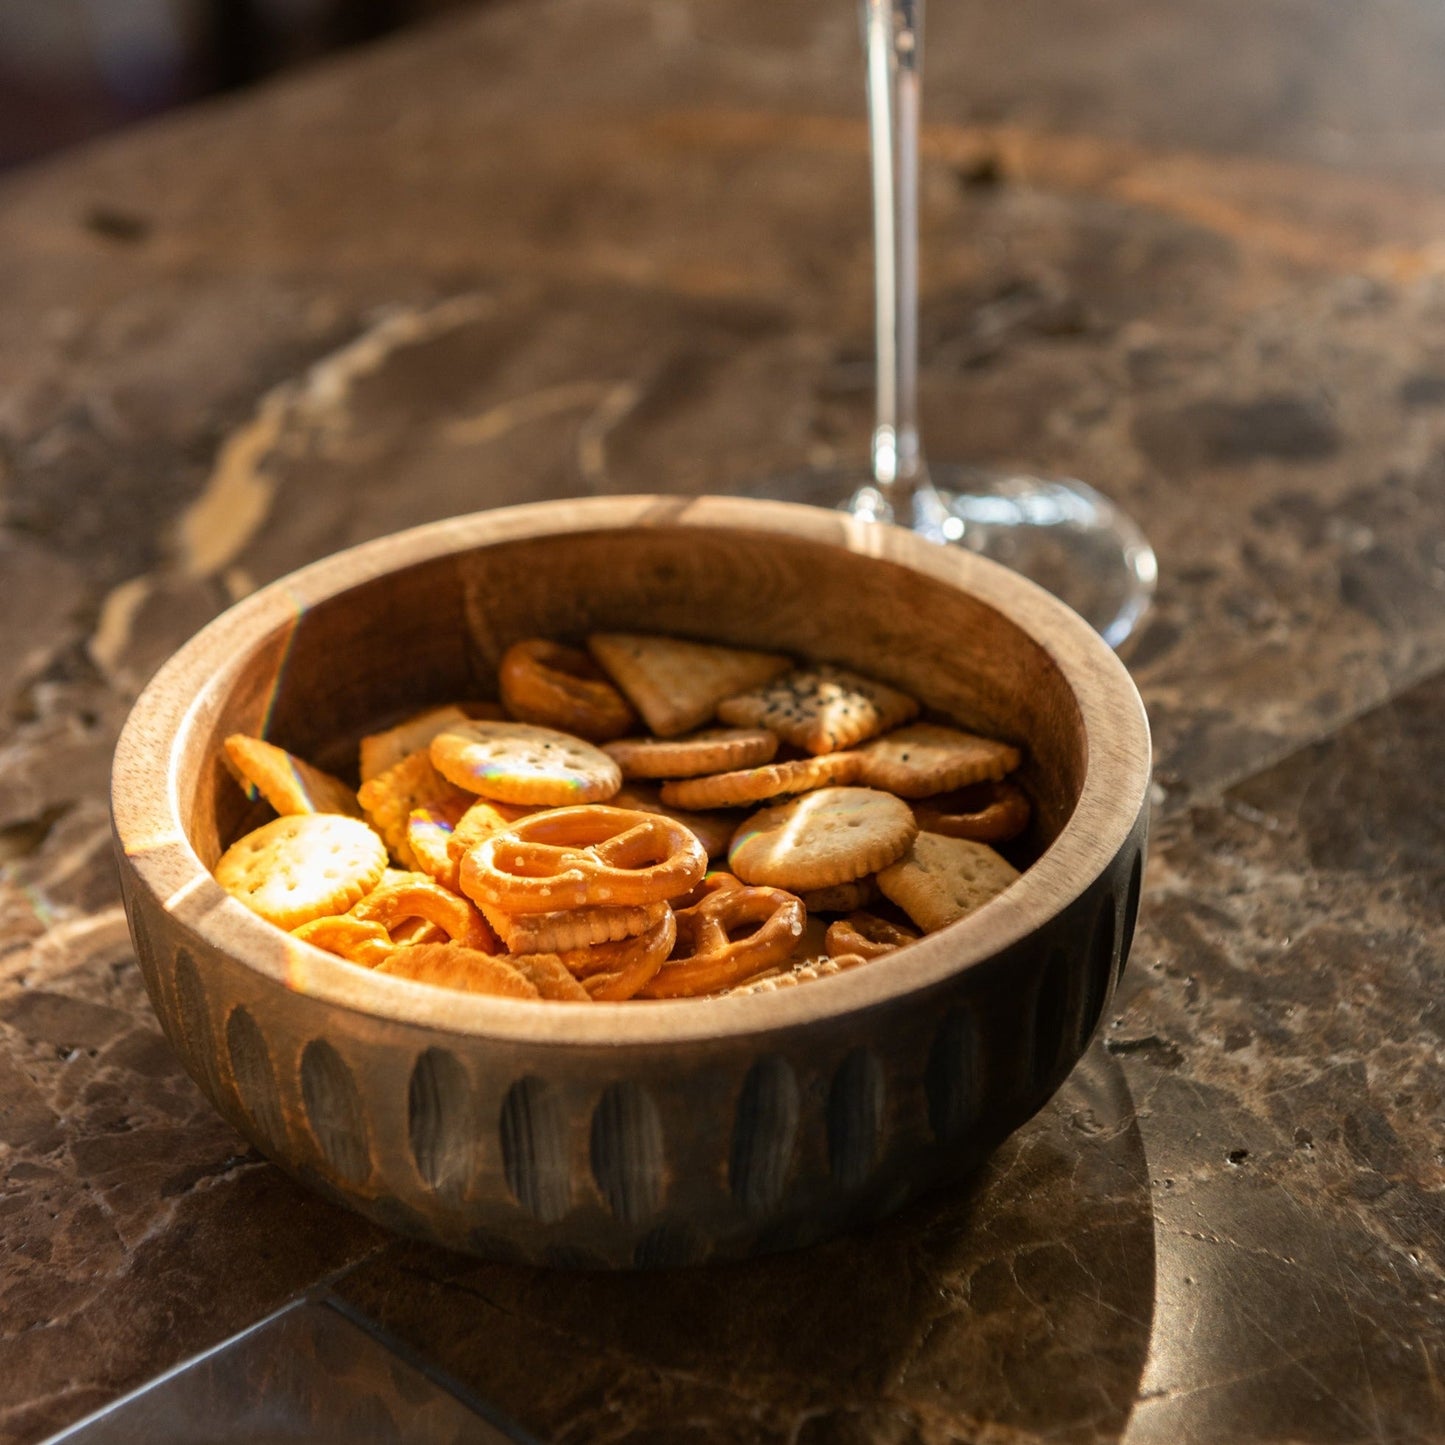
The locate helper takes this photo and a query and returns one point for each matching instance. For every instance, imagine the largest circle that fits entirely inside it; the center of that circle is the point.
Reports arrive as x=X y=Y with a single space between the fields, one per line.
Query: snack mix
x=647 y=819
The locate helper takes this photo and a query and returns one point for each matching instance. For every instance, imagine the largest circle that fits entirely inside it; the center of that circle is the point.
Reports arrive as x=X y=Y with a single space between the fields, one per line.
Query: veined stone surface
x=1187 y=253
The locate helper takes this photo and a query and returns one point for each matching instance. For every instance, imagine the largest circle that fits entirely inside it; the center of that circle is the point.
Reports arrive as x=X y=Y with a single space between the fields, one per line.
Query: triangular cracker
x=677 y=685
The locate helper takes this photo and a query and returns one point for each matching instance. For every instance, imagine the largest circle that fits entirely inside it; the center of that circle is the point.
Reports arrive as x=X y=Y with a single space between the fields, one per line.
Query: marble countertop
x=1190 y=253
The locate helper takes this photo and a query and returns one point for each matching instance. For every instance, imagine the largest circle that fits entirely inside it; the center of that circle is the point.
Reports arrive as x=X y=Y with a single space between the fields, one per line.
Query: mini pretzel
x=866 y=934
x=417 y=896
x=583 y=857
x=612 y=972
x=561 y=687
x=733 y=935
x=984 y=813
x=350 y=938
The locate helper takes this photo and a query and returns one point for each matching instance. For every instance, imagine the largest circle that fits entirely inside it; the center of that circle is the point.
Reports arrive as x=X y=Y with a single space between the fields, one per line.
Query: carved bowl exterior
x=638 y=1134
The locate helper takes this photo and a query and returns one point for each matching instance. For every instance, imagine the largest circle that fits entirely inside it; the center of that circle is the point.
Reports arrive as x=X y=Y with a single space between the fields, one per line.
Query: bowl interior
x=323 y=671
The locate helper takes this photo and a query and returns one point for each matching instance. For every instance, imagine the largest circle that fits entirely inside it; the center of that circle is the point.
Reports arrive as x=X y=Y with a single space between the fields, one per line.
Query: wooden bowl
x=634 y=1134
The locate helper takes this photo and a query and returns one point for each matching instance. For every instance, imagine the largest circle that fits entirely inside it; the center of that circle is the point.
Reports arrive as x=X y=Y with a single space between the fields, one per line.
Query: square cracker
x=677 y=685
x=924 y=759
x=821 y=709
x=940 y=880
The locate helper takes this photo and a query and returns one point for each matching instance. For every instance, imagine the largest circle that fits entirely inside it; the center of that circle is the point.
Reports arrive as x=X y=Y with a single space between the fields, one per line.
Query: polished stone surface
x=1186 y=252
x=310 y=1372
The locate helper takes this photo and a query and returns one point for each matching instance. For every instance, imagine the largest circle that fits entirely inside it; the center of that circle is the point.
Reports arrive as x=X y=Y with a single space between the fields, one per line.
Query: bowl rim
x=157 y=855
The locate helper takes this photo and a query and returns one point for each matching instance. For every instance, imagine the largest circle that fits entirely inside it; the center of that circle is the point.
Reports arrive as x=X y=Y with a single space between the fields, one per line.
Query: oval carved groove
x=1131 y=910
x=534 y=1150
x=951 y=1078
x=194 y=1016
x=764 y=1135
x=627 y=1156
x=855 y=1118
x=333 y=1111
x=1098 y=971
x=440 y=1123
x=255 y=1077
x=1050 y=1023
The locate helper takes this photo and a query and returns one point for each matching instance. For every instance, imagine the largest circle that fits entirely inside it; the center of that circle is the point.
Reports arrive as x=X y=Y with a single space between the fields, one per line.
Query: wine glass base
x=1060 y=533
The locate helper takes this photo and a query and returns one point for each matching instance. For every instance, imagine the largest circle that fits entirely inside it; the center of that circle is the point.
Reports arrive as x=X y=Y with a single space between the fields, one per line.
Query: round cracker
x=303 y=866
x=713 y=750
x=760 y=785
x=522 y=763
x=822 y=838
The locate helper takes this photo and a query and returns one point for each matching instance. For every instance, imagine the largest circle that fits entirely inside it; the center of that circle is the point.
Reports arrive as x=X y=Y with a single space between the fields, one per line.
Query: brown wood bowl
x=634 y=1134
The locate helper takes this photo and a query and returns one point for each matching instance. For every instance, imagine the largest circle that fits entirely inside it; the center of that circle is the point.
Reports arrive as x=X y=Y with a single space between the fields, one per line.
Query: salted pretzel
x=612 y=972
x=866 y=935
x=417 y=896
x=731 y=935
x=561 y=687
x=590 y=856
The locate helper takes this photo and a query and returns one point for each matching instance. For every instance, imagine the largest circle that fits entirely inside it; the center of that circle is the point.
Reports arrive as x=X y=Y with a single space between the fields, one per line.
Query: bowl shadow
x=1022 y=1301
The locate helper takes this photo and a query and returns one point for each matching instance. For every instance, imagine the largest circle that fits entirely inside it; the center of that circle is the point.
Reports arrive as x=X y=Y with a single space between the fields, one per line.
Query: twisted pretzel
x=732 y=935
x=985 y=813
x=419 y=897
x=583 y=857
x=561 y=687
x=612 y=972
x=866 y=935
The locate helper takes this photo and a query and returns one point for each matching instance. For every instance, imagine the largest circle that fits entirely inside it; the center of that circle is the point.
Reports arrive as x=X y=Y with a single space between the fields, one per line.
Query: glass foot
x=1057 y=532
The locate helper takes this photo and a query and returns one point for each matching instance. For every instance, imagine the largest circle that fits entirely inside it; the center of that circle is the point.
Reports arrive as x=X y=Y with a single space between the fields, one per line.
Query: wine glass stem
x=893 y=42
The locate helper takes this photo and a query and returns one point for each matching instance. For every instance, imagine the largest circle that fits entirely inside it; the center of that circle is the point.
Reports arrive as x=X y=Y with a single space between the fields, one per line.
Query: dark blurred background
x=70 y=69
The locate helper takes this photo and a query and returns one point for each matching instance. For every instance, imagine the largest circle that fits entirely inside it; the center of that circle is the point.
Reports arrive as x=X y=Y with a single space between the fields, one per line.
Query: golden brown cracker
x=842 y=897
x=713 y=828
x=550 y=976
x=941 y=880
x=450 y=965
x=383 y=750
x=389 y=799
x=923 y=759
x=286 y=782
x=761 y=785
x=713 y=750
x=520 y=763
x=303 y=866
x=367 y=944
x=822 y=838
x=677 y=685
x=821 y=709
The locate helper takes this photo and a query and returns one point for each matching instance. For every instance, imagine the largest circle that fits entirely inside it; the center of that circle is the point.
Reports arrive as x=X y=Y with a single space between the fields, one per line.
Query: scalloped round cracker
x=522 y=763
x=713 y=750
x=822 y=838
x=761 y=785
x=303 y=866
